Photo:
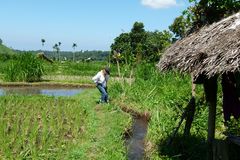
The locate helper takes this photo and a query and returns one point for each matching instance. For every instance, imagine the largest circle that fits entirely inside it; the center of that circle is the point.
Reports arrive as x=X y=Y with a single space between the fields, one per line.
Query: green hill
x=5 y=50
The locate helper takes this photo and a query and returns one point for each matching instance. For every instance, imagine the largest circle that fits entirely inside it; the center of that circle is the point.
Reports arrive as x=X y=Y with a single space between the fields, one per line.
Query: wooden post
x=210 y=89
x=190 y=111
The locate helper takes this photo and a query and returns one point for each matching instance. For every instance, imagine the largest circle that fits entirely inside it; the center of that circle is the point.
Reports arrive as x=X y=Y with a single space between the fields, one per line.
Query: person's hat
x=107 y=69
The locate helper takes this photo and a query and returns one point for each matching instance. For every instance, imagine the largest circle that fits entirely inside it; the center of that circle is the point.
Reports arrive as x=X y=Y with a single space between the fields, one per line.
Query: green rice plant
x=26 y=67
x=60 y=128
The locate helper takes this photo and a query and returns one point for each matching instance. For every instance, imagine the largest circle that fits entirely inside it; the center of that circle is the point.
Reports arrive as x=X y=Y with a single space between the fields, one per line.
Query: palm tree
x=74 y=46
x=43 y=41
x=58 y=50
x=55 y=47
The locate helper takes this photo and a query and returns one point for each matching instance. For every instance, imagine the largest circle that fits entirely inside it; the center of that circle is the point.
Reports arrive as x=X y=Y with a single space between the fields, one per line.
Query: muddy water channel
x=135 y=140
x=40 y=90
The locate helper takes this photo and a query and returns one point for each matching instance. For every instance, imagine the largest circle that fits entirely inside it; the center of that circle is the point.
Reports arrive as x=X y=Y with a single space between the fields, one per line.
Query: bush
x=26 y=67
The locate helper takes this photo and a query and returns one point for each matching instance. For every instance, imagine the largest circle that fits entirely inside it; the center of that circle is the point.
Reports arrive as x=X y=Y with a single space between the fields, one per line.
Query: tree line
x=87 y=55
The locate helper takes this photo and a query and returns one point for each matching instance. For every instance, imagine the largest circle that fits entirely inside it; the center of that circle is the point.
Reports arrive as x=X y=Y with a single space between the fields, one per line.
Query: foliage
x=180 y=26
x=140 y=45
x=209 y=11
x=202 y=12
x=233 y=126
x=1 y=41
x=122 y=45
x=138 y=37
x=155 y=44
x=26 y=67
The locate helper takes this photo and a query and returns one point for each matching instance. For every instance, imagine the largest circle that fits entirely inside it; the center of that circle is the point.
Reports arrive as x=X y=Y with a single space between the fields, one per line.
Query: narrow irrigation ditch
x=134 y=136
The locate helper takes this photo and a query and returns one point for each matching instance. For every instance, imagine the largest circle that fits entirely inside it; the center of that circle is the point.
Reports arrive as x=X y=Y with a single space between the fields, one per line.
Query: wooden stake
x=210 y=89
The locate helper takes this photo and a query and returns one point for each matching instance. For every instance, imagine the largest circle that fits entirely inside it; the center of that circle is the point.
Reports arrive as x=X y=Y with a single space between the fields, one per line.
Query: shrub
x=26 y=67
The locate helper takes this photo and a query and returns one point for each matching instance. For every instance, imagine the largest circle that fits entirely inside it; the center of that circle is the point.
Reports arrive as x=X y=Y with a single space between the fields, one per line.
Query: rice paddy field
x=42 y=127
x=76 y=127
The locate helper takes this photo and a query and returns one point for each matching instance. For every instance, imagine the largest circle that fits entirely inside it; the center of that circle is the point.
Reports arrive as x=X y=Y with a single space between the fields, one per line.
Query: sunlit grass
x=165 y=96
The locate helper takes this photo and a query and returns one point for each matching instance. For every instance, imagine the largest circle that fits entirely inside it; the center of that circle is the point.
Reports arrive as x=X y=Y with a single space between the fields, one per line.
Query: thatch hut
x=41 y=55
x=211 y=52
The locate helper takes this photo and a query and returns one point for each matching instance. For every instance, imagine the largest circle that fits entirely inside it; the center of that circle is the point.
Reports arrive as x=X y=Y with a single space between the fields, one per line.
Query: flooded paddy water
x=41 y=90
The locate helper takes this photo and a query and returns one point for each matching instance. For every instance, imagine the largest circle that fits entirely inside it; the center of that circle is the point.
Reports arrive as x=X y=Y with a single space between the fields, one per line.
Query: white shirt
x=100 y=78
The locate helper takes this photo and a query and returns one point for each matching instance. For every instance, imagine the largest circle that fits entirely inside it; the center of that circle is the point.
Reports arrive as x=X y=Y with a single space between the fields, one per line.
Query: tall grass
x=26 y=67
x=165 y=96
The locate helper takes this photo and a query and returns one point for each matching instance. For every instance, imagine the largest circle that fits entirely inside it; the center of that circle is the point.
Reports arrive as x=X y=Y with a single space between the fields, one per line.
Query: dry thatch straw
x=213 y=50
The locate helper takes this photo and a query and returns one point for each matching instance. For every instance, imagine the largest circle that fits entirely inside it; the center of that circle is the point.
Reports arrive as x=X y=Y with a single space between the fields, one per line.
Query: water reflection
x=53 y=91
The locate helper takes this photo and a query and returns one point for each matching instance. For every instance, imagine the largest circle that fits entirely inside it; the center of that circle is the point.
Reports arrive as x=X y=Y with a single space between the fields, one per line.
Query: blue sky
x=92 y=24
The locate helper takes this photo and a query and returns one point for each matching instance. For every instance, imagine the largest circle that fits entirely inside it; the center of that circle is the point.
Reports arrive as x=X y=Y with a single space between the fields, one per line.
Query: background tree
x=202 y=12
x=155 y=44
x=209 y=11
x=74 y=47
x=122 y=45
x=1 y=41
x=140 y=45
x=58 y=50
x=138 y=38
x=180 y=26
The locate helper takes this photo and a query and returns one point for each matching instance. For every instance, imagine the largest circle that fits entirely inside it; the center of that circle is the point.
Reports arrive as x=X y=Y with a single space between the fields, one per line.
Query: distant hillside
x=5 y=50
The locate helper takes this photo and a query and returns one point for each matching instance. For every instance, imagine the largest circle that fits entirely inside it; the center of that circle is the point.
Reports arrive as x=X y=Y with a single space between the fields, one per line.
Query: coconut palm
x=58 y=50
x=43 y=41
x=74 y=46
x=56 y=47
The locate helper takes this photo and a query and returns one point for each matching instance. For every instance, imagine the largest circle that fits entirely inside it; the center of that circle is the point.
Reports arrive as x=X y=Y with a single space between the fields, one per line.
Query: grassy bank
x=165 y=96
x=60 y=128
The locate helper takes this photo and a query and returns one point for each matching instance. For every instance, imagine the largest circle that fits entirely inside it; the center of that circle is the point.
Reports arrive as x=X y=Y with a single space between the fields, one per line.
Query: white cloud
x=159 y=3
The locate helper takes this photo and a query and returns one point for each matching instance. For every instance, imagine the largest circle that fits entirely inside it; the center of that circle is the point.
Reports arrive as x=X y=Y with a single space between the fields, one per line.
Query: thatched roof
x=213 y=50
